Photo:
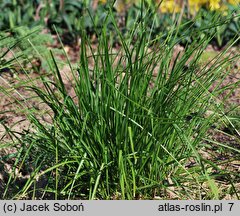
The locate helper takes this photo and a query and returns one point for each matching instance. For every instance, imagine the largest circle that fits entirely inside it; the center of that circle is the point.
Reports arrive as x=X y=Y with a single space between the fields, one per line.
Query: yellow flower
x=214 y=5
x=169 y=6
x=234 y=2
x=194 y=6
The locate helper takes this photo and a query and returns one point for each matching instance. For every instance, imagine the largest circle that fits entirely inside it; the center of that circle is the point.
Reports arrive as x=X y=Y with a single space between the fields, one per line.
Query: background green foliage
x=67 y=16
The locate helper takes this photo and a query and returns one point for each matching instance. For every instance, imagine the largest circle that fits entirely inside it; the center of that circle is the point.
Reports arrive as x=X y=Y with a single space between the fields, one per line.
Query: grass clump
x=135 y=122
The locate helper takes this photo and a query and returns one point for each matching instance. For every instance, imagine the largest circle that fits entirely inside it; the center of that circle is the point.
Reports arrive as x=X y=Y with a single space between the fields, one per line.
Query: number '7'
x=231 y=205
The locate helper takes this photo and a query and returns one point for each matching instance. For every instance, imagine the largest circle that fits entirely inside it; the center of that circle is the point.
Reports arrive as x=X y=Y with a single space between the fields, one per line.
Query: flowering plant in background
x=171 y=6
x=214 y=4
